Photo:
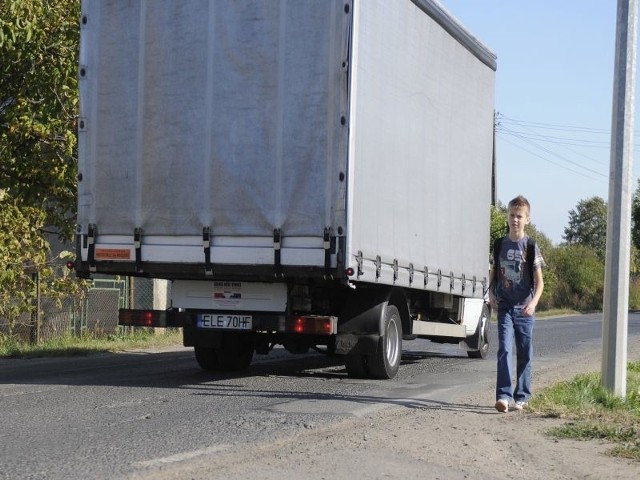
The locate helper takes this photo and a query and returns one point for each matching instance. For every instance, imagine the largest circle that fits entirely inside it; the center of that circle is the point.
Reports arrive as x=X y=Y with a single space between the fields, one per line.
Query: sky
x=553 y=97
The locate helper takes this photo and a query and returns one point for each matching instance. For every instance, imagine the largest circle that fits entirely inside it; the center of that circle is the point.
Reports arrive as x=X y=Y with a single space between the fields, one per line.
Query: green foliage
x=635 y=218
x=499 y=225
x=579 y=274
x=22 y=248
x=38 y=103
x=23 y=253
x=634 y=293
x=588 y=225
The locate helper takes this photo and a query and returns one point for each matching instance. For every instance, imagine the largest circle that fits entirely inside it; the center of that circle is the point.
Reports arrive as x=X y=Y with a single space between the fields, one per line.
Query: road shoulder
x=464 y=438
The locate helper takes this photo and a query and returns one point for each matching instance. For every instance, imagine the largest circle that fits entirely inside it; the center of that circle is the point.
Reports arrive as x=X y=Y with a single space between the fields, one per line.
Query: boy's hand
x=529 y=309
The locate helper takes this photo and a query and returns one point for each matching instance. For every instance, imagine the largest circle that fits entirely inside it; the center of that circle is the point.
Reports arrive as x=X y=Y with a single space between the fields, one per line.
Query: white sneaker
x=502 y=406
x=521 y=405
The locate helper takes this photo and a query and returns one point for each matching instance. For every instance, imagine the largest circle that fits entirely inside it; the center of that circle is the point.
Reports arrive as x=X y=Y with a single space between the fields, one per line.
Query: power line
x=547 y=138
x=550 y=161
x=552 y=126
x=576 y=142
x=554 y=154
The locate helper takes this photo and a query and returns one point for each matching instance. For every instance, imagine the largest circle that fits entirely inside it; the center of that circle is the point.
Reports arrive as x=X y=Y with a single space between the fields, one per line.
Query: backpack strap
x=531 y=255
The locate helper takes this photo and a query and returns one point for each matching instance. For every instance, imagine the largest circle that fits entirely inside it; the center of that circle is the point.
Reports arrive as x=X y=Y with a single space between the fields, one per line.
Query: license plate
x=229 y=321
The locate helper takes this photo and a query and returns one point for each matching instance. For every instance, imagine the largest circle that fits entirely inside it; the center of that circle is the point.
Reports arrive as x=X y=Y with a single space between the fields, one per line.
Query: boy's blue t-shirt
x=513 y=287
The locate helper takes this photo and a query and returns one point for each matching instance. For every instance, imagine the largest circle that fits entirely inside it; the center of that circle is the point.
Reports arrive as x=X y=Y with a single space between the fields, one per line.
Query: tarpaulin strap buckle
x=206 y=244
x=91 y=242
x=277 y=265
x=326 y=244
x=137 y=242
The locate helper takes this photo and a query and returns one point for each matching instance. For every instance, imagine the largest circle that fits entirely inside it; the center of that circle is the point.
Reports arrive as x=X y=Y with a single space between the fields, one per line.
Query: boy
x=515 y=297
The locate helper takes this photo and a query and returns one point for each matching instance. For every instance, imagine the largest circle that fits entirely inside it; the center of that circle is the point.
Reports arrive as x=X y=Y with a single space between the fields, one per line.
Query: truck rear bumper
x=260 y=323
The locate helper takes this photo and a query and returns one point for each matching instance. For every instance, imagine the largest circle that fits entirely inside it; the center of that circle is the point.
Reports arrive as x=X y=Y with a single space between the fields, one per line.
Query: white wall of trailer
x=420 y=148
x=371 y=117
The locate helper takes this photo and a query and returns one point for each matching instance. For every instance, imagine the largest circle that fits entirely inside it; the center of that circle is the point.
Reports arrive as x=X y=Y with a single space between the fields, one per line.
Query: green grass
x=592 y=412
x=86 y=345
x=555 y=312
x=542 y=314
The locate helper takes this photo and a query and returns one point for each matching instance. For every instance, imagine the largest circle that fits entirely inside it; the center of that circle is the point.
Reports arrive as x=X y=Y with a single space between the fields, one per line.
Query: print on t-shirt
x=511 y=269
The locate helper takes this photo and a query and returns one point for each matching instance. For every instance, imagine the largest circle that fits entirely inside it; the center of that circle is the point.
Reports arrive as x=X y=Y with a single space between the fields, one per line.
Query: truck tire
x=235 y=354
x=207 y=358
x=356 y=365
x=386 y=361
x=481 y=337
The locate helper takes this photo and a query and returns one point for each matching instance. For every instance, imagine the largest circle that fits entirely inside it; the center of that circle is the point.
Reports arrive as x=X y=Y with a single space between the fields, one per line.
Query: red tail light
x=142 y=318
x=314 y=325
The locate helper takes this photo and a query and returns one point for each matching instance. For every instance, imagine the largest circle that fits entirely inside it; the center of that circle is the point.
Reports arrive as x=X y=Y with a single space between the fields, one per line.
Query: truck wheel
x=356 y=365
x=236 y=353
x=207 y=358
x=386 y=361
x=481 y=336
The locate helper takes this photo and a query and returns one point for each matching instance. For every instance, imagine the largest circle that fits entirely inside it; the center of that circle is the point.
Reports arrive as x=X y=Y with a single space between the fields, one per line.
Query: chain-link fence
x=93 y=311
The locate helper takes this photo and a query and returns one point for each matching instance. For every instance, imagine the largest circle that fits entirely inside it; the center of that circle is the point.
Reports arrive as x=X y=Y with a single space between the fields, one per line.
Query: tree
x=498 y=220
x=20 y=251
x=38 y=102
x=588 y=225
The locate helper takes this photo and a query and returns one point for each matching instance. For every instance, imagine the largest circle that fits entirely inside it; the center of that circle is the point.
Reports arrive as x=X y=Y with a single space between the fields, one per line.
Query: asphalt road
x=114 y=415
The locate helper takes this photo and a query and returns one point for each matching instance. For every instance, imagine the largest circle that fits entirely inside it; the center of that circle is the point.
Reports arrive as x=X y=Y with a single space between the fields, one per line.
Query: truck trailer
x=311 y=174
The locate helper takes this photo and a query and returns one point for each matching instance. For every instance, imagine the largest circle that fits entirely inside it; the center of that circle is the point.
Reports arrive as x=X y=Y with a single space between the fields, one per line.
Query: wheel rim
x=392 y=350
x=484 y=335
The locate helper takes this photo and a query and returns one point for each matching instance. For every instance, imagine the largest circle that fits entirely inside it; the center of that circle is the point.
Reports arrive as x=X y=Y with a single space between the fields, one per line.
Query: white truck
x=312 y=174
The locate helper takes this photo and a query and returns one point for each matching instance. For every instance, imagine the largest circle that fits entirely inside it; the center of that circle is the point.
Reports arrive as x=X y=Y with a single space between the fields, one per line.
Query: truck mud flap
x=364 y=311
x=348 y=343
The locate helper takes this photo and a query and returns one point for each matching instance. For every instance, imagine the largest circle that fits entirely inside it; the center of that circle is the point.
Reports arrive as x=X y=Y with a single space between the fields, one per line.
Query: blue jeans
x=513 y=323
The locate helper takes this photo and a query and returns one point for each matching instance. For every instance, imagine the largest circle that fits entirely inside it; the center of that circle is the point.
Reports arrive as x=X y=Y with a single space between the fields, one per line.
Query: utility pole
x=494 y=172
x=616 y=282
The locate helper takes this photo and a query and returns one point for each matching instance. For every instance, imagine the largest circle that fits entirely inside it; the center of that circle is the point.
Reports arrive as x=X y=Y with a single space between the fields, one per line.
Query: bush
x=580 y=277
x=634 y=293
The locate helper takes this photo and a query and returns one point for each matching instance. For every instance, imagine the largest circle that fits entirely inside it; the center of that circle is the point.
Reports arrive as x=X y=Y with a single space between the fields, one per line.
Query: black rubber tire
x=385 y=362
x=482 y=336
x=207 y=358
x=356 y=365
x=236 y=354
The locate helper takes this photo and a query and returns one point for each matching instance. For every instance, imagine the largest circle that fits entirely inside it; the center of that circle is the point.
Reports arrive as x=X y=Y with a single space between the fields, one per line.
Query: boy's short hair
x=520 y=202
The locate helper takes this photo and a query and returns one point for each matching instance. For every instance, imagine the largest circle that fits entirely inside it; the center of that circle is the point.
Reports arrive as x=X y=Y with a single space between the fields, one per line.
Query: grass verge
x=86 y=345
x=555 y=312
x=592 y=412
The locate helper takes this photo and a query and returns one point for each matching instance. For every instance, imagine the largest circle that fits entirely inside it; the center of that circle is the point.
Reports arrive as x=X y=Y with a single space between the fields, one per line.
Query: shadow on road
x=179 y=370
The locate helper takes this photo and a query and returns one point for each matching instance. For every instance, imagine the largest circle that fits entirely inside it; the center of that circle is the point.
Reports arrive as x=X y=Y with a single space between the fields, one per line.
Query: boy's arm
x=538 y=281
